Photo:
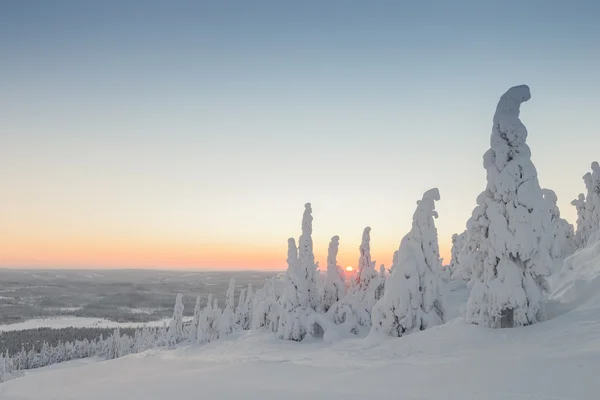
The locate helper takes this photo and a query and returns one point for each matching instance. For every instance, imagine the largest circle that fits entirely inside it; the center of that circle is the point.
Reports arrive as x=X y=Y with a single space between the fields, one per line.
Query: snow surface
x=557 y=359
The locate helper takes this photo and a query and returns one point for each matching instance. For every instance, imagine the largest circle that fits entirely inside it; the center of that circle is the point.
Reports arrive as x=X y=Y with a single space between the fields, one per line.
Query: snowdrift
x=576 y=288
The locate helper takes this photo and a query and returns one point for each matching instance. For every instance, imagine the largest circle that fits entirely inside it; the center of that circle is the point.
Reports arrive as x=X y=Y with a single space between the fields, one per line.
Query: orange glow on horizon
x=126 y=252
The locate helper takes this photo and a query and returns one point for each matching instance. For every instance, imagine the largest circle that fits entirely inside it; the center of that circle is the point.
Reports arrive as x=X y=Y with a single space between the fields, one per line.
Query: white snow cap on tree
x=334 y=283
x=412 y=300
x=558 y=231
x=175 y=332
x=506 y=248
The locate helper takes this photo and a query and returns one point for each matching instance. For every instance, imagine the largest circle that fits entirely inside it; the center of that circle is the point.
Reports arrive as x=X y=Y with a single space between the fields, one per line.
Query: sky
x=190 y=134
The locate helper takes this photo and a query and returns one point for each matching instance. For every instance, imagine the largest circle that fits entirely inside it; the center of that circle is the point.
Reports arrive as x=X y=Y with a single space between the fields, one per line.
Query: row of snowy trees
x=114 y=346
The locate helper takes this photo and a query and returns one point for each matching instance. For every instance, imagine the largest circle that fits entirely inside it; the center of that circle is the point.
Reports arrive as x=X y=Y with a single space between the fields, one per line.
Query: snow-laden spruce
x=334 y=281
x=457 y=270
x=244 y=312
x=193 y=327
x=175 y=332
x=588 y=207
x=366 y=267
x=209 y=325
x=558 y=231
x=412 y=300
x=300 y=294
x=506 y=250
x=227 y=317
x=266 y=306
x=353 y=312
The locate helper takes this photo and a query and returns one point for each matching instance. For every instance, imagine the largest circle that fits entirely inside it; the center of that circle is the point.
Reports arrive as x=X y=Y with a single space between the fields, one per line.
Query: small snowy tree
x=457 y=270
x=248 y=308
x=193 y=328
x=334 y=282
x=175 y=332
x=241 y=313
x=353 y=312
x=412 y=300
x=558 y=231
x=505 y=249
x=205 y=322
x=588 y=208
x=580 y=239
x=266 y=306
x=227 y=320
x=2 y=368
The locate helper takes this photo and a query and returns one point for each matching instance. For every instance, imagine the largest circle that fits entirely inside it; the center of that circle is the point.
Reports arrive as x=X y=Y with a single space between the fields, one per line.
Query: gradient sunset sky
x=190 y=134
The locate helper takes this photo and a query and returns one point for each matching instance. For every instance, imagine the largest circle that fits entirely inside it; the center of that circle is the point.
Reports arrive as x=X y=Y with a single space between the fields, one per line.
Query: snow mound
x=577 y=285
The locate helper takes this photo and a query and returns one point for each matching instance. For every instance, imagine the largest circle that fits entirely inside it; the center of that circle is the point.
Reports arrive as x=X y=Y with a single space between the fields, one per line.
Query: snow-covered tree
x=241 y=313
x=580 y=239
x=266 y=306
x=193 y=328
x=209 y=326
x=334 y=281
x=175 y=332
x=505 y=249
x=248 y=309
x=295 y=300
x=353 y=312
x=306 y=258
x=588 y=207
x=227 y=320
x=300 y=295
x=558 y=231
x=2 y=368
x=366 y=267
x=458 y=270
x=412 y=300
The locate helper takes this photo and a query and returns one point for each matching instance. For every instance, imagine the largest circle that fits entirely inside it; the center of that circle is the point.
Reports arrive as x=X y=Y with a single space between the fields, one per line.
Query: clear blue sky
x=190 y=134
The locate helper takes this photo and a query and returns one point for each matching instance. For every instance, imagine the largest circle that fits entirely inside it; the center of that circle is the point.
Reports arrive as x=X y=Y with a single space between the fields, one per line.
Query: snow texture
x=506 y=249
x=413 y=300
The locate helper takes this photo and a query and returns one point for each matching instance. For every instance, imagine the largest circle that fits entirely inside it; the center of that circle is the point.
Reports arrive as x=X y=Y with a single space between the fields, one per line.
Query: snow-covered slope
x=555 y=359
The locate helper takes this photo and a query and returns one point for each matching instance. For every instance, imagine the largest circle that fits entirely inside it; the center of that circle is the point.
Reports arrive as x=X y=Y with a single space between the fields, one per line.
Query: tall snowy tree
x=334 y=282
x=175 y=332
x=505 y=248
x=300 y=297
x=366 y=267
x=295 y=300
x=412 y=300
